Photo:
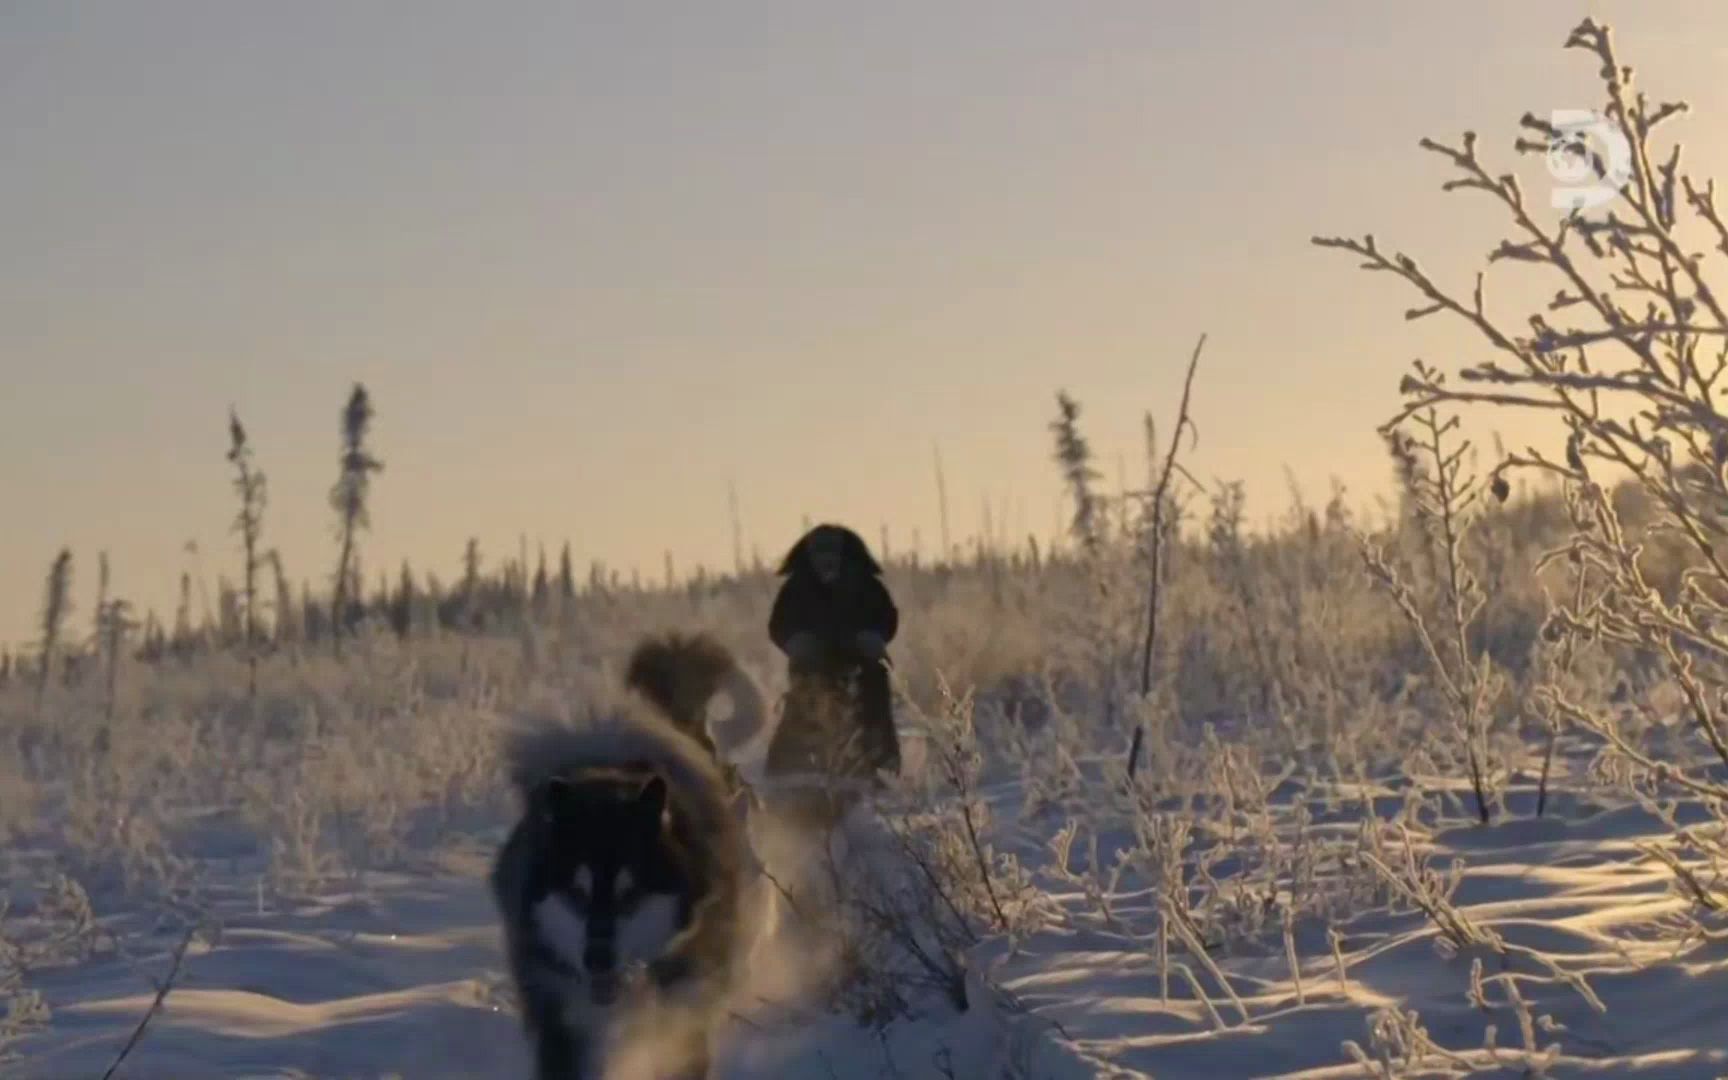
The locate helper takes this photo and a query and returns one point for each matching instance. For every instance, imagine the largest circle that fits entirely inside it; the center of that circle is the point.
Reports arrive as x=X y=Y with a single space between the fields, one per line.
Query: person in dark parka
x=833 y=618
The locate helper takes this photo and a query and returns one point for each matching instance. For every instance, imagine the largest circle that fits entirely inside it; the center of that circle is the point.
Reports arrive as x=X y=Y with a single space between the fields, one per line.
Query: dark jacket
x=834 y=615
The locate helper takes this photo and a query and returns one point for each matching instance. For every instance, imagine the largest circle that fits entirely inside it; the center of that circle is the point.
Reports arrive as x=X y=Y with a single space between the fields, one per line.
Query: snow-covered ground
x=1309 y=897
x=403 y=979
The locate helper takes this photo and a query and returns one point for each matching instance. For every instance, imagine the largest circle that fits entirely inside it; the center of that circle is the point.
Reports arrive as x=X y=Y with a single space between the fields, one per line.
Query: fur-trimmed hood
x=854 y=552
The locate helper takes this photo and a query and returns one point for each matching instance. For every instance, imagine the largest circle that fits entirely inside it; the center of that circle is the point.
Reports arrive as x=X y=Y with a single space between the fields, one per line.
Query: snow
x=388 y=964
x=403 y=981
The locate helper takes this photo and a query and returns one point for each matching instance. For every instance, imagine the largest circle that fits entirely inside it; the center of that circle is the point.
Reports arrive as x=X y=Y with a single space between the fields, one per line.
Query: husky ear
x=557 y=797
x=653 y=797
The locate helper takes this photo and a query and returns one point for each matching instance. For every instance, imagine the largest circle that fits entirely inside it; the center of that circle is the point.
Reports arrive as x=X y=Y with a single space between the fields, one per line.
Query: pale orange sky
x=595 y=263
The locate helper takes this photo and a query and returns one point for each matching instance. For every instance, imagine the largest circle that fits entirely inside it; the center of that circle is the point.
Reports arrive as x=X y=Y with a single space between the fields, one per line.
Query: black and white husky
x=619 y=888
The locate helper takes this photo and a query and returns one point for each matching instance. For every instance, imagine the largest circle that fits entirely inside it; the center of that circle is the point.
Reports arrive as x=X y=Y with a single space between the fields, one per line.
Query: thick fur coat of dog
x=619 y=888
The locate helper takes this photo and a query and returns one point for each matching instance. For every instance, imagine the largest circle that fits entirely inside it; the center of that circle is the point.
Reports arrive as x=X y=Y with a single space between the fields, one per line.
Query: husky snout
x=603 y=987
x=600 y=957
x=600 y=961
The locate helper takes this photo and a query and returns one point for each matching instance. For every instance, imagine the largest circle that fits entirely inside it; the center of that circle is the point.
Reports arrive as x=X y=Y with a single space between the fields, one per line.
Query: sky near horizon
x=596 y=263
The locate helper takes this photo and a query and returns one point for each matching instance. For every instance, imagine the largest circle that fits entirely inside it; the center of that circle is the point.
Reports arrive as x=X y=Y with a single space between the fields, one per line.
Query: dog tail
x=540 y=750
x=679 y=674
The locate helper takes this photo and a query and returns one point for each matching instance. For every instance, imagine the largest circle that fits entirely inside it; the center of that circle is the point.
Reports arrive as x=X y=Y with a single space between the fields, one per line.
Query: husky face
x=609 y=893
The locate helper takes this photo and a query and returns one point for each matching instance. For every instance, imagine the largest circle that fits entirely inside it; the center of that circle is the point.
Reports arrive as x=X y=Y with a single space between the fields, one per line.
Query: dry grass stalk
x=1156 y=545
